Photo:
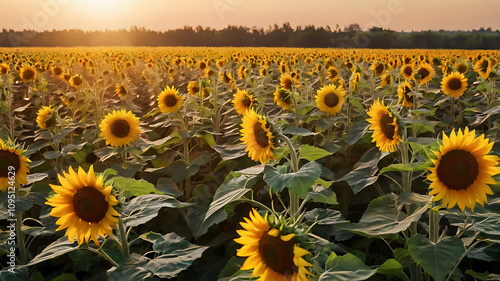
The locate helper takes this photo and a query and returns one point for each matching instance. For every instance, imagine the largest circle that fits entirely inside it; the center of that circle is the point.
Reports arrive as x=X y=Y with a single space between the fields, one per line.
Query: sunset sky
x=163 y=15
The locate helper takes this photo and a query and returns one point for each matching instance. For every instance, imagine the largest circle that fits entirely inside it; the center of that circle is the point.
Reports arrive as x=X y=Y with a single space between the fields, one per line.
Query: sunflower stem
x=103 y=254
x=434 y=224
x=123 y=238
x=294 y=162
x=452 y=112
x=19 y=233
x=200 y=89
x=461 y=258
x=216 y=112
x=295 y=106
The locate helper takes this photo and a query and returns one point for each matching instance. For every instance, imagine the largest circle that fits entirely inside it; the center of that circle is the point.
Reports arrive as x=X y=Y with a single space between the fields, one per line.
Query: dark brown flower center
x=408 y=71
x=246 y=101
x=333 y=73
x=89 y=204
x=386 y=125
x=349 y=65
x=331 y=99
x=484 y=66
x=120 y=128
x=170 y=100
x=260 y=135
x=277 y=254
x=202 y=65
x=407 y=97
x=286 y=83
x=379 y=69
x=28 y=74
x=77 y=81
x=462 y=68
x=458 y=169
x=7 y=159
x=423 y=72
x=454 y=84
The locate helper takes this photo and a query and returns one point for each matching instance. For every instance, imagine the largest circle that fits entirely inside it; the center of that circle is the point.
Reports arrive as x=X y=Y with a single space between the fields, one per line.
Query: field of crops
x=249 y=164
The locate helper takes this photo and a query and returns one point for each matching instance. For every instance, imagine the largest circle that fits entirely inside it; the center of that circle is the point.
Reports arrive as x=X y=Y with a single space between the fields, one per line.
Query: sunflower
x=283 y=98
x=483 y=68
x=76 y=81
x=287 y=80
x=193 y=87
x=169 y=100
x=332 y=73
x=11 y=156
x=121 y=91
x=463 y=170
x=263 y=71
x=120 y=128
x=83 y=205
x=385 y=127
x=243 y=101
x=454 y=84
x=385 y=80
x=27 y=74
x=425 y=73
x=462 y=67
x=202 y=65
x=4 y=68
x=257 y=137
x=330 y=99
x=403 y=91
x=272 y=254
x=354 y=80
x=45 y=117
x=226 y=77
x=242 y=72
x=56 y=70
x=377 y=68
x=407 y=71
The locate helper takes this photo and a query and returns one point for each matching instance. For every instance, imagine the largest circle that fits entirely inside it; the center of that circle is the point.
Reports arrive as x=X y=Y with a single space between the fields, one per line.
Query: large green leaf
x=228 y=151
x=233 y=188
x=196 y=214
x=58 y=248
x=312 y=153
x=321 y=194
x=385 y=214
x=177 y=255
x=411 y=167
x=357 y=131
x=143 y=208
x=300 y=182
x=436 y=259
x=133 y=187
x=363 y=173
x=485 y=276
x=131 y=268
x=390 y=268
x=346 y=268
x=18 y=273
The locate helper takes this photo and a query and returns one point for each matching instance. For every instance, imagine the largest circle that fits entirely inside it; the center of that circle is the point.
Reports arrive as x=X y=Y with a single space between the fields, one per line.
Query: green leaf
x=58 y=248
x=356 y=131
x=168 y=187
x=436 y=259
x=37 y=276
x=411 y=167
x=300 y=182
x=229 y=151
x=143 y=208
x=297 y=131
x=312 y=153
x=363 y=173
x=20 y=273
x=196 y=214
x=133 y=187
x=486 y=276
x=52 y=154
x=390 y=268
x=385 y=214
x=321 y=194
x=82 y=259
x=65 y=277
x=177 y=255
x=131 y=268
x=347 y=268
x=425 y=147
x=233 y=188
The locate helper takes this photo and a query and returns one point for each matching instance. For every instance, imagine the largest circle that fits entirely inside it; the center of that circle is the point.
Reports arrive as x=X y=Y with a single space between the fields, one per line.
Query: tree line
x=240 y=36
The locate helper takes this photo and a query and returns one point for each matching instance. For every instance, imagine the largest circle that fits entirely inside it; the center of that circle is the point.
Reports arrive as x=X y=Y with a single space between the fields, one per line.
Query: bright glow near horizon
x=163 y=15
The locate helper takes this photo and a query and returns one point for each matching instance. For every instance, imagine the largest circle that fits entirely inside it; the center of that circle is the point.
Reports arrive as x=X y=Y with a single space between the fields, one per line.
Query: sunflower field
x=249 y=164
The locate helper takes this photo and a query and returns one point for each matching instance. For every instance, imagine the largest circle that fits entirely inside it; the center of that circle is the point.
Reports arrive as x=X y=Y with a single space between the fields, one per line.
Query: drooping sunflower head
x=283 y=98
x=27 y=74
x=243 y=101
x=425 y=73
x=193 y=87
x=121 y=91
x=378 y=68
x=385 y=80
x=226 y=77
x=286 y=80
x=263 y=71
x=120 y=128
x=76 y=81
x=45 y=117
x=483 y=68
x=332 y=73
x=242 y=72
x=257 y=136
x=407 y=71
x=461 y=68
x=463 y=170
x=404 y=91
x=11 y=156
x=330 y=99
x=354 y=80
x=4 y=68
x=385 y=127
x=272 y=253
x=454 y=84
x=169 y=100
x=84 y=206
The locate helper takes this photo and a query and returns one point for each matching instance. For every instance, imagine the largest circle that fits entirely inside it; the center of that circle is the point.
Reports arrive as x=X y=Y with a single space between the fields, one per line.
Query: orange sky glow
x=163 y=15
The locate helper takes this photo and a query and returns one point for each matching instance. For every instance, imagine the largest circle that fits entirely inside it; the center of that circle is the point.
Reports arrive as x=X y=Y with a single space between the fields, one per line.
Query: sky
x=161 y=15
